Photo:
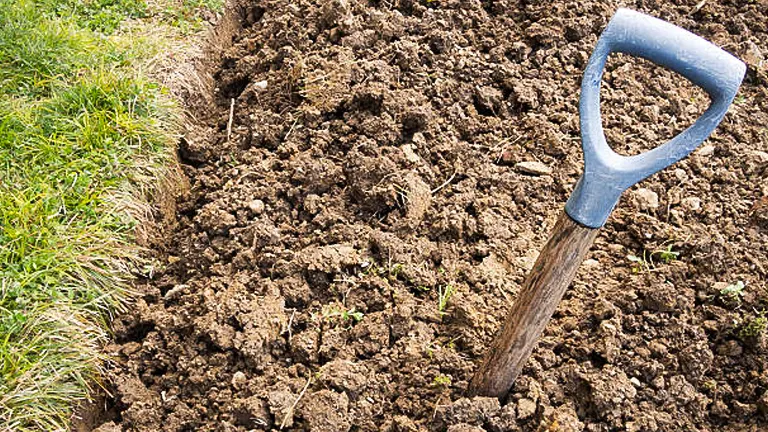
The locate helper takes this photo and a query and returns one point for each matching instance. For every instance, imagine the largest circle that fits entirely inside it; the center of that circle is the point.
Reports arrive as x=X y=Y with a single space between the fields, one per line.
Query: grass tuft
x=84 y=138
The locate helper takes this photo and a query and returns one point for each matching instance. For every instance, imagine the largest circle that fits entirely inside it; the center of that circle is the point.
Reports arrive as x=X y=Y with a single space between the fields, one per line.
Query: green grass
x=83 y=136
x=187 y=15
x=106 y=16
x=444 y=296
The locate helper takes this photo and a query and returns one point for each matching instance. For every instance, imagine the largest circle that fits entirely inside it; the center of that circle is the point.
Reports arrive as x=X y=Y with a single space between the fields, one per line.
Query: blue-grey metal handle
x=608 y=174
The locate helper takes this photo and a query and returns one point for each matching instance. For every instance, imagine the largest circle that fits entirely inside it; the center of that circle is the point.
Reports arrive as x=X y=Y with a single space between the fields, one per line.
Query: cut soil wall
x=370 y=163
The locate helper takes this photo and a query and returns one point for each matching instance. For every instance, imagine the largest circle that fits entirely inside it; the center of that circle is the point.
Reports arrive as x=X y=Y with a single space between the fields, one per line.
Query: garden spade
x=606 y=175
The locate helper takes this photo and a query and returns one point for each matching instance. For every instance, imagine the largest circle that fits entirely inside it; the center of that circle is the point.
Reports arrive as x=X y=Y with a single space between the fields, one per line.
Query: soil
x=372 y=168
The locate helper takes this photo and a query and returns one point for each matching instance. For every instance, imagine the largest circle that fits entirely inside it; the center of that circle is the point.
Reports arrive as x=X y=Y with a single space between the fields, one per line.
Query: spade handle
x=541 y=293
x=608 y=174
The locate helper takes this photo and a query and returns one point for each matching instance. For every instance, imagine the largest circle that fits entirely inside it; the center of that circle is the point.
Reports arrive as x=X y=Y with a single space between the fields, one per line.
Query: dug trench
x=371 y=182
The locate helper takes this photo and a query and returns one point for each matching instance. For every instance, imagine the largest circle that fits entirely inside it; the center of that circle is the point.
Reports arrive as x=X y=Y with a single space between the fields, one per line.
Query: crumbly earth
x=350 y=245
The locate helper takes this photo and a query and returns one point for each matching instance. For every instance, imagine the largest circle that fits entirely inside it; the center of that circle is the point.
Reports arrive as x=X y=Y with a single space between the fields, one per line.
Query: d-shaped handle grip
x=608 y=174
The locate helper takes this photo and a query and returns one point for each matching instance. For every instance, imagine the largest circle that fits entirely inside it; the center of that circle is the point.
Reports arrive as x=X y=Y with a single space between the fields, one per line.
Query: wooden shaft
x=543 y=289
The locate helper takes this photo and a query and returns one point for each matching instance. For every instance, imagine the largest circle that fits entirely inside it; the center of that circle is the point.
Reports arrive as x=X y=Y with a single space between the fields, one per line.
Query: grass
x=106 y=16
x=83 y=138
x=444 y=296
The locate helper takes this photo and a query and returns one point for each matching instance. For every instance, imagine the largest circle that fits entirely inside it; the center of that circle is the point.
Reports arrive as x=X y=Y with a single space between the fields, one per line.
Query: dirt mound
x=355 y=233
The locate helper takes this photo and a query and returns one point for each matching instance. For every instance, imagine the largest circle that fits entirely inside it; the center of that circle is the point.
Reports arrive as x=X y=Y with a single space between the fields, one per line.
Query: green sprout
x=395 y=270
x=442 y=381
x=666 y=255
x=638 y=263
x=352 y=314
x=755 y=327
x=443 y=296
x=343 y=315
x=646 y=262
x=733 y=291
x=391 y=272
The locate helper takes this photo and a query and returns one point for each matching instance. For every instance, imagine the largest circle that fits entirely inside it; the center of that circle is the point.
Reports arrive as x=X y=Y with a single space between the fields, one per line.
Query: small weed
x=395 y=270
x=649 y=259
x=442 y=381
x=352 y=314
x=368 y=268
x=344 y=316
x=443 y=296
x=733 y=292
x=430 y=349
x=755 y=327
x=436 y=346
x=638 y=264
x=391 y=272
x=452 y=343
x=666 y=255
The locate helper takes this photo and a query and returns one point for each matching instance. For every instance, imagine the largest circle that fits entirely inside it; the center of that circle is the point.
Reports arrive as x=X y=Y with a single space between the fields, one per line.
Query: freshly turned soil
x=372 y=166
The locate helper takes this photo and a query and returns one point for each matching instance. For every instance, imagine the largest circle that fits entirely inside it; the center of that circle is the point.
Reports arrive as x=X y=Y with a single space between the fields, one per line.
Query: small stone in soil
x=238 y=380
x=409 y=151
x=681 y=390
x=256 y=206
x=645 y=199
x=419 y=197
x=691 y=204
x=753 y=56
x=706 y=150
x=680 y=174
x=533 y=168
x=175 y=291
